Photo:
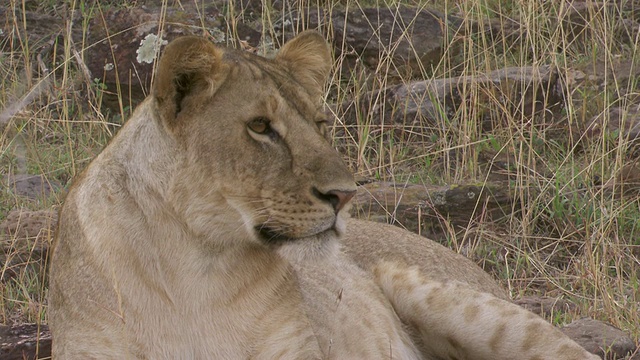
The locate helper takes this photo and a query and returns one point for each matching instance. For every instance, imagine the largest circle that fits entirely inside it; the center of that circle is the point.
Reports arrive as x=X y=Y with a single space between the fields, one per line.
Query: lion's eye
x=260 y=125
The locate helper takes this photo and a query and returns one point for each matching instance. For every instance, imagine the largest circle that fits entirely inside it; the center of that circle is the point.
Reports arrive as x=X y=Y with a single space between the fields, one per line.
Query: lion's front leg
x=454 y=321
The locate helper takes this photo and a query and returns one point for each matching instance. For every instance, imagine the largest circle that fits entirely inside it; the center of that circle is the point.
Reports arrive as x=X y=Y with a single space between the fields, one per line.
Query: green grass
x=571 y=233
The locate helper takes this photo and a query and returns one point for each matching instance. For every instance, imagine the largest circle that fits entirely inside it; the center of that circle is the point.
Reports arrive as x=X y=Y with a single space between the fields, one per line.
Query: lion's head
x=252 y=139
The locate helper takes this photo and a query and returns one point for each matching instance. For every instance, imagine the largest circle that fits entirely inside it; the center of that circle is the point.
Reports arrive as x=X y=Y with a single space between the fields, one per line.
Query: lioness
x=214 y=226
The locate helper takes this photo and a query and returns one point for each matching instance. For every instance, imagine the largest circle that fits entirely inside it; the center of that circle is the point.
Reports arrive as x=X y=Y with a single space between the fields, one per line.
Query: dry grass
x=571 y=233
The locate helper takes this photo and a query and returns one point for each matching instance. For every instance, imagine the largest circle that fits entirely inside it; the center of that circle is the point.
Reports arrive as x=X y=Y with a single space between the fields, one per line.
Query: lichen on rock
x=149 y=47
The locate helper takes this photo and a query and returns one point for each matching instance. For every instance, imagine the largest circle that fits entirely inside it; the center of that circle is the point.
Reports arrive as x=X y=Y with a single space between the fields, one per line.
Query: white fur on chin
x=312 y=248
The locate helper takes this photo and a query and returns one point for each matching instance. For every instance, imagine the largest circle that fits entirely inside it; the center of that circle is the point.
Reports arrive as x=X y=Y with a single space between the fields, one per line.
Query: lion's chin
x=311 y=248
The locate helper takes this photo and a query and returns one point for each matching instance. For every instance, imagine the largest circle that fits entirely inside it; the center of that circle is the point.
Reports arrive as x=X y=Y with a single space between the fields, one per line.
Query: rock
x=422 y=105
x=120 y=44
x=545 y=306
x=422 y=209
x=125 y=42
x=627 y=180
x=503 y=31
x=23 y=224
x=25 y=341
x=411 y=38
x=597 y=336
x=577 y=19
x=25 y=237
x=591 y=334
x=617 y=122
x=32 y=186
x=41 y=29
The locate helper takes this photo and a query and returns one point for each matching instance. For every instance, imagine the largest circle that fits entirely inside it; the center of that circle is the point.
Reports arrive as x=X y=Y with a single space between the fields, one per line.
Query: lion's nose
x=337 y=198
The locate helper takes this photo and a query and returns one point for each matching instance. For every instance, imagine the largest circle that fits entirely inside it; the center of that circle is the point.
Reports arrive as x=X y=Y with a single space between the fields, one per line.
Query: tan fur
x=213 y=227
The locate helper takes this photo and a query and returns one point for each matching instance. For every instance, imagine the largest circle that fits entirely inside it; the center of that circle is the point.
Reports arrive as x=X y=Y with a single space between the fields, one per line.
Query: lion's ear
x=189 y=66
x=308 y=57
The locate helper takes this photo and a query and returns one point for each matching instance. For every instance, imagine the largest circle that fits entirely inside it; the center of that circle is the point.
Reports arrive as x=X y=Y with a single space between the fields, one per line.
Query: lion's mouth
x=272 y=237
